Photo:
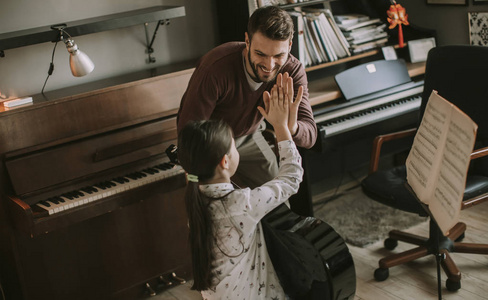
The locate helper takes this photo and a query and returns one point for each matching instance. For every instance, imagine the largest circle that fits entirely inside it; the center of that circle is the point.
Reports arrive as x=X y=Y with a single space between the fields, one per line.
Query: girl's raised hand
x=278 y=107
x=286 y=82
x=278 y=112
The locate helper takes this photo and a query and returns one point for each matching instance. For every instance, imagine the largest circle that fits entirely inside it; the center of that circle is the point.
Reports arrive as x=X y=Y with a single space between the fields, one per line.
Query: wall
x=24 y=70
x=450 y=21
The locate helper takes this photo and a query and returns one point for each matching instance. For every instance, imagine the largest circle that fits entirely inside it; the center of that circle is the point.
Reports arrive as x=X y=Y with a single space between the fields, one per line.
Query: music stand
x=447 y=243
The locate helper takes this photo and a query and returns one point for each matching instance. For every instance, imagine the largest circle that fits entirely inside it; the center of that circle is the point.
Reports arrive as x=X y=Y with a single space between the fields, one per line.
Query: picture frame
x=418 y=49
x=448 y=2
x=478 y=21
x=477 y=2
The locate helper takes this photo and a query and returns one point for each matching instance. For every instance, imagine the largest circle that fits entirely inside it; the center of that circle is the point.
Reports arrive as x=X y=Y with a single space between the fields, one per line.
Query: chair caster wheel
x=381 y=274
x=390 y=243
x=452 y=285
x=460 y=238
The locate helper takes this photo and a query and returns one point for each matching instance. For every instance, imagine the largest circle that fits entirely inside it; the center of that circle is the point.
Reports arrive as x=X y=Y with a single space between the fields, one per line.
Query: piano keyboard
x=108 y=188
x=369 y=112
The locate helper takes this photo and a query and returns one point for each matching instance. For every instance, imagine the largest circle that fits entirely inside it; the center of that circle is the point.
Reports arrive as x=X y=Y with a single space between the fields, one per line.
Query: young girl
x=229 y=255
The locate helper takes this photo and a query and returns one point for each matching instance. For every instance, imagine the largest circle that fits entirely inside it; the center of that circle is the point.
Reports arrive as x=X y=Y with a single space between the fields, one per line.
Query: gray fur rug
x=361 y=221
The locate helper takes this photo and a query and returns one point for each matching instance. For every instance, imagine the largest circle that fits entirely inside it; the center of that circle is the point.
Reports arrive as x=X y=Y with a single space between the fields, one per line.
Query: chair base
x=435 y=244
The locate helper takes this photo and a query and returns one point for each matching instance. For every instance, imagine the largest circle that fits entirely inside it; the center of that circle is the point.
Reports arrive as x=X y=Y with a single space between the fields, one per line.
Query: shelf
x=44 y=34
x=348 y=59
x=342 y=60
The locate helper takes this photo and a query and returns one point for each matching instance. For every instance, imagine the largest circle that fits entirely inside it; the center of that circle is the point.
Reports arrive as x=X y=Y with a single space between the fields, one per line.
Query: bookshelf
x=343 y=60
x=233 y=18
x=323 y=90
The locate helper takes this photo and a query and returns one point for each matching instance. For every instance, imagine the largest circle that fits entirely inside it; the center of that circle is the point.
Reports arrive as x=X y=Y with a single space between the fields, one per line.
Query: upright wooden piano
x=91 y=207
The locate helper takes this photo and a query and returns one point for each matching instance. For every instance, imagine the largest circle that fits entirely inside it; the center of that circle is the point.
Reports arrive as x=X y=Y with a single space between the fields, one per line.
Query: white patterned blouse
x=243 y=267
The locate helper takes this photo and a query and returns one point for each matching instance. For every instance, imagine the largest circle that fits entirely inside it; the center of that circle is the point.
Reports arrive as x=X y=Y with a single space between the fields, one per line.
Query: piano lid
x=372 y=77
x=87 y=157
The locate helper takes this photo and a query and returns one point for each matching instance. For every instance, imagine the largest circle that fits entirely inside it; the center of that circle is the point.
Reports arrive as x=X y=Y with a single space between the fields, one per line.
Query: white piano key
x=369 y=104
x=371 y=117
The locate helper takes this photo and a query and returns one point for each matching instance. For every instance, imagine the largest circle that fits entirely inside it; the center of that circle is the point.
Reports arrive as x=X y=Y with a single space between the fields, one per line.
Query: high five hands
x=280 y=110
x=284 y=83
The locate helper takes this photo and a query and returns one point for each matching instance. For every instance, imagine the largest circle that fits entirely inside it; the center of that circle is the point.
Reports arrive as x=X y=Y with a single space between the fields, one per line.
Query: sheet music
x=438 y=161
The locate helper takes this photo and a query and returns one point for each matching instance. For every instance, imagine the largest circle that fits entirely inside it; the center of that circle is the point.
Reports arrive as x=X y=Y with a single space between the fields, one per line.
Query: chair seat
x=389 y=187
x=475 y=185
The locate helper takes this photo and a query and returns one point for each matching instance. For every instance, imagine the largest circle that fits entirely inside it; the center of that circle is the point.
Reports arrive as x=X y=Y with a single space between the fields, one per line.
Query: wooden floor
x=415 y=280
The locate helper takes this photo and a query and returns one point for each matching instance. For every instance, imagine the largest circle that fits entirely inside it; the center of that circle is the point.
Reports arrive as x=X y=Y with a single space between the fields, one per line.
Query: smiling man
x=231 y=81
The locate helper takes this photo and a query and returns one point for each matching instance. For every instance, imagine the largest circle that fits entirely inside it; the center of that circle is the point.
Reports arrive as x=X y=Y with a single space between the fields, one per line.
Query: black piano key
x=165 y=166
x=89 y=189
x=45 y=203
x=136 y=175
x=55 y=200
x=101 y=185
x=148 y=171
x=120 y=180
x=67 y=195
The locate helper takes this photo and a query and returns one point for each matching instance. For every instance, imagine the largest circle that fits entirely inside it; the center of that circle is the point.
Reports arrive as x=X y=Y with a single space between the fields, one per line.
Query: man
x=230 y=82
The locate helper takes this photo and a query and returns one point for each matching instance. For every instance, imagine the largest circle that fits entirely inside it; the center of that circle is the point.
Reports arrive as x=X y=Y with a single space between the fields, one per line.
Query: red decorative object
x=397 y=16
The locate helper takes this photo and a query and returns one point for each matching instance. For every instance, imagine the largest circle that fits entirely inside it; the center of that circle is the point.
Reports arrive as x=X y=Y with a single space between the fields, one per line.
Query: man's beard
x=255 y=70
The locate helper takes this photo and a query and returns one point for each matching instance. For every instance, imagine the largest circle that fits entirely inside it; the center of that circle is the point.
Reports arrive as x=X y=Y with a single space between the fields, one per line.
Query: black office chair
x=458 y=73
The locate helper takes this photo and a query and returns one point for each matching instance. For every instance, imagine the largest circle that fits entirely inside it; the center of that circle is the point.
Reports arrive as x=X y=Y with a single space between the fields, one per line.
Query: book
x=310 y=43
x=349 y=19
x=438 y=161
x=324 y=39
x=332 y=36
x=298 y=46
x=355 y=49
x=338 y=32
x=364 y=31
x=368 y=38
x=261 y=3
x=359 y=24
x=329 y=27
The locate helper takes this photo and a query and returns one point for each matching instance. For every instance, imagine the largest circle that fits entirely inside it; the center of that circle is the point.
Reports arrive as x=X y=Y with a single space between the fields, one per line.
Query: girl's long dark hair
x=201 y=147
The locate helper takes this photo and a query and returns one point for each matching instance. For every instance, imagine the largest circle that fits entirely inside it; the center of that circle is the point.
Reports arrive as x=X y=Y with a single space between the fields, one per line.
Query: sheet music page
x=438 y=162
x=427 y=146
x=448 y=195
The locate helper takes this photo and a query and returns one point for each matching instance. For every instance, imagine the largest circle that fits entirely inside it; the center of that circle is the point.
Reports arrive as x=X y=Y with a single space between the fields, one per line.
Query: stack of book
x=318 y=39
x=362 y=32
x=262 y=3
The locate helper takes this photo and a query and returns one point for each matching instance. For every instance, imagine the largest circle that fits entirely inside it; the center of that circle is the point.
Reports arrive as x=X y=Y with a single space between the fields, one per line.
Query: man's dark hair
x=273 y=22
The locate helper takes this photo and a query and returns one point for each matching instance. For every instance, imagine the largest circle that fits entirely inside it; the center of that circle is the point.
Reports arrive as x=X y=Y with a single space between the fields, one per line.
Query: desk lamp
x=80 y=64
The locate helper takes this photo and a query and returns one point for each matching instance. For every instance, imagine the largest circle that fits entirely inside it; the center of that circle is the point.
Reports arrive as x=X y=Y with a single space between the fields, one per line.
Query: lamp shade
x=79 y=62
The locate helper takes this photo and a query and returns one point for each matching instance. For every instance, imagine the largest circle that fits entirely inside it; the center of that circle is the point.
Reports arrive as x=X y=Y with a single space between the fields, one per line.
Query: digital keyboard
x=368 y=112
x=108 y=188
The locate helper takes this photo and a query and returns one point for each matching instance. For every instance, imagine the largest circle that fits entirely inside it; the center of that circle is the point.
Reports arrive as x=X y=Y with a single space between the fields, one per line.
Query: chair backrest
x=460 y=74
